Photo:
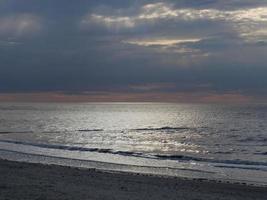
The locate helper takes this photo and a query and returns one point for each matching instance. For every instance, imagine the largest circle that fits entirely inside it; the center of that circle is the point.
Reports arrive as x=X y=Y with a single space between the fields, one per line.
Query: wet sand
x=37 y=181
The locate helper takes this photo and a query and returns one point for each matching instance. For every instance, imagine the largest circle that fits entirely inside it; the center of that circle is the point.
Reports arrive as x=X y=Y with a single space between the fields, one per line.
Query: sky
x=139 y=50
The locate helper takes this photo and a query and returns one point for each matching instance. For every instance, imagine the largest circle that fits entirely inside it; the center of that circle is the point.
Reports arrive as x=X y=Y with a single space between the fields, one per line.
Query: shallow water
x=229 y=141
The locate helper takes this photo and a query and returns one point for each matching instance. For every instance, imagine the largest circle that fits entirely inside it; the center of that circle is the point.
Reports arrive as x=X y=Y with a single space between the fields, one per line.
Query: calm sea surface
x=210 y=141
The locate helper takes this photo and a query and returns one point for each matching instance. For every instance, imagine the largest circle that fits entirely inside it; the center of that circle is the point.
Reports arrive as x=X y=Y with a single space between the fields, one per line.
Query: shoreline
x=117 y=167
x=21 y=180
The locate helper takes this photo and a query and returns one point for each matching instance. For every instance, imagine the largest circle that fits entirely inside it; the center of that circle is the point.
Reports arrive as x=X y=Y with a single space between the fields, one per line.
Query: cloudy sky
x=139 y=50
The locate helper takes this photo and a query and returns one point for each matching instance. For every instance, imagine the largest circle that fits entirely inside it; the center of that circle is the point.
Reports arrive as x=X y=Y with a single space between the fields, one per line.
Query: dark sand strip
x=36 y=181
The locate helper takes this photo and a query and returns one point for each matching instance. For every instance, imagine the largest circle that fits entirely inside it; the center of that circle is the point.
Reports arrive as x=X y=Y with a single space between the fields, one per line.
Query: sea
x=203 y=141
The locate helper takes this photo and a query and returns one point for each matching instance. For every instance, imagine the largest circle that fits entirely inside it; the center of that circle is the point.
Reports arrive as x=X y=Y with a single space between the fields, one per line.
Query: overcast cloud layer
x=80 y=47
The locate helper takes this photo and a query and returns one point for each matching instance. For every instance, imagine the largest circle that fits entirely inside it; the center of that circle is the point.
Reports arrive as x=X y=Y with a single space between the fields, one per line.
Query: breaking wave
x=243 y=164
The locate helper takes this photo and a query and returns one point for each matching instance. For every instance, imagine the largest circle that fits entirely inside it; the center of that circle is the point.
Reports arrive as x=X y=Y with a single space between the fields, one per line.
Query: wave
x=223 y=152
x=80 y=130
x=110 y=163
x=234 y=130
x=52 y=146
x=53 y=132
x=236 y=162
x=261 y=153
x=241 y=167
x=75 y=148
x=90 y=130
x=200 y=159
x=163 y=128
x=253 y=139
x=12 y=132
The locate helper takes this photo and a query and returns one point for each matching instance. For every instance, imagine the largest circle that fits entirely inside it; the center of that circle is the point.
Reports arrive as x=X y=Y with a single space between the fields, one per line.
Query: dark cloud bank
x=213 y=47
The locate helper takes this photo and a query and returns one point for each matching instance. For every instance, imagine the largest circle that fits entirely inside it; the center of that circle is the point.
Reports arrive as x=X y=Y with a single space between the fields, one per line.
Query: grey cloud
x=123 y=45
x=156 y=11
x=19 y=25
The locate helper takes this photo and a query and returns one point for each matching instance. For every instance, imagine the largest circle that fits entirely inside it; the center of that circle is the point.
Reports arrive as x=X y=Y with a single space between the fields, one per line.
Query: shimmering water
x=224 y=139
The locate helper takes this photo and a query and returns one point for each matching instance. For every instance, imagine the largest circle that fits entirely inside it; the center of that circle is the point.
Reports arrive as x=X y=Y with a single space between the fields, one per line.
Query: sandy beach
x=37 y=181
